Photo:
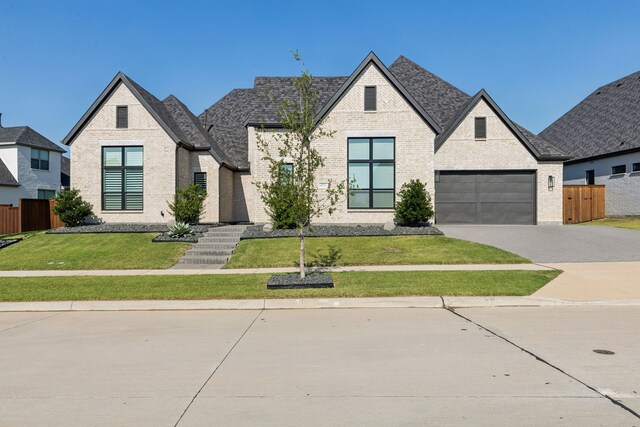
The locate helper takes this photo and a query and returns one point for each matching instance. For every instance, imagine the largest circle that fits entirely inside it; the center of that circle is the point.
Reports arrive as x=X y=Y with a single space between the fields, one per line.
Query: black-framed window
x=635 y=167
x=46 y=194
x=122 y=116
x=480 y=128
x=590 y=177
x=371 y=171
x=39 y=159
x=200 y=179
x=122 y=178
x=620 y=169
x=370 y=98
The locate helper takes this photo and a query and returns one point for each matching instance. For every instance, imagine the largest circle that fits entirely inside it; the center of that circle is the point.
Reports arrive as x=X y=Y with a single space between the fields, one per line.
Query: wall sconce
x=551 y=182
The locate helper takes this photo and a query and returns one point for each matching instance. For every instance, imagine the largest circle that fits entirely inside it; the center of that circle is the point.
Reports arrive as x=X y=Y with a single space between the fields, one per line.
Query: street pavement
x=387 y=366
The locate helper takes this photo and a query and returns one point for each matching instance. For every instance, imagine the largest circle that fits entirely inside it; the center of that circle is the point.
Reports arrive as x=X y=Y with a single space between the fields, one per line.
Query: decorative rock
x=293 y=281
x=257 y=231
x=389 y=226
x=7 y=242
x=267 y=227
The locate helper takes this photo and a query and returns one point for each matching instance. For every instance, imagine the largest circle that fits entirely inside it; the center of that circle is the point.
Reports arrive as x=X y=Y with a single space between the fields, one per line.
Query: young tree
x=295 y=146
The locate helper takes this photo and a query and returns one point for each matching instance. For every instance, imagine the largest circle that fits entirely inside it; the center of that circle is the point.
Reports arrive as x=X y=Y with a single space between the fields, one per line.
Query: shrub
x=180 y=229
x=414 y=204
x=280 y=199
x=70 y=207
x=188 y=204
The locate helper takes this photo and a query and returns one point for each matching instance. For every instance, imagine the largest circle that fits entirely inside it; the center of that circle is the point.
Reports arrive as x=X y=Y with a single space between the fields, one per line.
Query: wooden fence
x=582 y=203
x=29 y=215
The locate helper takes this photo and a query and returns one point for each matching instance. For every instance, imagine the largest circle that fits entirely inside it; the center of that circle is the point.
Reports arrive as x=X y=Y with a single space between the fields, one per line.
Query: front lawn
x=378 y=250
x=247 y=286
x=632 y=223
x=41 y=251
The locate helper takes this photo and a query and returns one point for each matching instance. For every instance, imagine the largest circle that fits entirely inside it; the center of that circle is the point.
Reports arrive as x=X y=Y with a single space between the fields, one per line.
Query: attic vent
x=370 y=98
x=481 y=128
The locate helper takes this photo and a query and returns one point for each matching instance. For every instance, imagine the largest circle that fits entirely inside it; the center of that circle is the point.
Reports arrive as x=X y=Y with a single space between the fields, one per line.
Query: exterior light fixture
x=551 y=182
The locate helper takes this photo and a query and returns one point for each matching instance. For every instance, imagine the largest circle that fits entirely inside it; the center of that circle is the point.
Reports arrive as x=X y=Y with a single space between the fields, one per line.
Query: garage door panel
x=485 y=197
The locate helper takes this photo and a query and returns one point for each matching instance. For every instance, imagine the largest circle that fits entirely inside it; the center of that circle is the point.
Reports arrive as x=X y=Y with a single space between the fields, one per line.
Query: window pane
x=35 y=154
x=112 y=202
x=112 y=156
x=44 y=155
x=35 y=164
x=133 y=202
x=359 y=171
x=383 y=148
x=383 y=175
x=112 y=181
x=382 y=198
x=359 y=199
x=133 y=156
x=358 y=148
x=44 y=165
x=133 y=180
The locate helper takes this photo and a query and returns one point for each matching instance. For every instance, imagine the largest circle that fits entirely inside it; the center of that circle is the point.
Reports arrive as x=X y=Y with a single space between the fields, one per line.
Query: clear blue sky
x=537 y=59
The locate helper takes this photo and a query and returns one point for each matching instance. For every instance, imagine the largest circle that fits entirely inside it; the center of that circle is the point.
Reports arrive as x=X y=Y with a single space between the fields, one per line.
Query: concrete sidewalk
x=199 y=271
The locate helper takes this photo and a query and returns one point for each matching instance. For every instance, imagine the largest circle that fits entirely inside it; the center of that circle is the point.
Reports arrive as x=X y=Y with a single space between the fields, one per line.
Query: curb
x=296 y=304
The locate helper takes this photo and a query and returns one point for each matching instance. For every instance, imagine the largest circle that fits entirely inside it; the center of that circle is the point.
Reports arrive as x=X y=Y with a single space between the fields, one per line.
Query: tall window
x=481 y=128
x=122 y=116
x=372 y=172
x=39 y=159
x=590 y=177
x=122 y=183
x=200 y=179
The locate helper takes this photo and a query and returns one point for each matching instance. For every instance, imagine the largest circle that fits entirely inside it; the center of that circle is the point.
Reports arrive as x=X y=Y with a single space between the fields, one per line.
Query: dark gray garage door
x=485 y=197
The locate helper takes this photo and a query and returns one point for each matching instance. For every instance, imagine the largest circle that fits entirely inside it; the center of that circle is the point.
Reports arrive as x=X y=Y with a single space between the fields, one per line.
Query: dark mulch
x=293 y=281
x=256 y=232
x=166 y=237
x=8 y=242
x=126 y=228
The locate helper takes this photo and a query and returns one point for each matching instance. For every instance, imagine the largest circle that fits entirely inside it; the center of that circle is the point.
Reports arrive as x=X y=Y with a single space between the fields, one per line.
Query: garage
x=485 y=197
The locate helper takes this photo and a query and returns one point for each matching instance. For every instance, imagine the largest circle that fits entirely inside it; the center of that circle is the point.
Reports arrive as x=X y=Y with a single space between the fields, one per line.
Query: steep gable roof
x=604 y=123
x=24 y=135
x=6 y=177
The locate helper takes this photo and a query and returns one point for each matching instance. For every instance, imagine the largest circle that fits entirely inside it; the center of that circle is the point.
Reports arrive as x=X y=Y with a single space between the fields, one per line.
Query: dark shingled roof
x=6 y=177
x=24 y=135
x=605 y=122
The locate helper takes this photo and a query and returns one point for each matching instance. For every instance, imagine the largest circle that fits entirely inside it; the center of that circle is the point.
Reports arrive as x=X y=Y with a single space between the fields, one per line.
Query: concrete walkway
x=198 y=271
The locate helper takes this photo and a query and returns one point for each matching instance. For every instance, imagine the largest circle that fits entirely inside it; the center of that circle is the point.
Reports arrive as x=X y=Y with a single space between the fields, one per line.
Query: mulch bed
x=126 y=228
x=8 y=242
x=166 y=237
x=293 y=281
x=256 y=231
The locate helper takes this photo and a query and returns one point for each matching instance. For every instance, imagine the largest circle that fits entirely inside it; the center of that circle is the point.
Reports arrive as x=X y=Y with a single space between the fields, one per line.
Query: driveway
x=555 y=244
x=321 y=367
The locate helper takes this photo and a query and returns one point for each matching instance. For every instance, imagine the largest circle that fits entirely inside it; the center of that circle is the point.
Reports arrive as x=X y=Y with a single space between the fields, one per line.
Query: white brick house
x=478 y=164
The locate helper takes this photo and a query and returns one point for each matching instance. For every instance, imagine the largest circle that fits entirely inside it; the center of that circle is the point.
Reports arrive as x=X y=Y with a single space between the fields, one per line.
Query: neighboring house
x=602 y=134
x=29 y=165
x=65 y=172
x=130 y=151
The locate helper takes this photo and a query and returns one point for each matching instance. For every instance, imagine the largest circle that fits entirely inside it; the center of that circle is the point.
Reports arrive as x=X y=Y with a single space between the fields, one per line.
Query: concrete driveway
x=555 y=244
x=321 y=367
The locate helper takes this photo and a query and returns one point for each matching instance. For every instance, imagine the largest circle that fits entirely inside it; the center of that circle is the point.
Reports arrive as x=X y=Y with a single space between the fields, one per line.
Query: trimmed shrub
x=70 y=207
x=188 y=204
x=414 y=204
x=280 y=199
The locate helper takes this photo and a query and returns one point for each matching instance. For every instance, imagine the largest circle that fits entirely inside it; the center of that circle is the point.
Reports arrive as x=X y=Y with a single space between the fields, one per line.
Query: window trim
x=475 y=128
x=370 y=162
x=375 y=98
x=613 y=168
x=46 y=189
x=122 y=168
x=586 y=176
x=118 y=124
x=40 y=168
x=205 y=179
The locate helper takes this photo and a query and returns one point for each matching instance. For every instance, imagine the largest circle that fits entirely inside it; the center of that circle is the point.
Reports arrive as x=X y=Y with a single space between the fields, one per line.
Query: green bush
x=188 y=204
x=280 y=199
x=70 y=207
x=180 y=229
x=414 y=204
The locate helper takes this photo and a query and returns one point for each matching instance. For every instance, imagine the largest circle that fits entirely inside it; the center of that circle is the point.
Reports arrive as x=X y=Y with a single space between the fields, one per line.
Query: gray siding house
x=131 y=150
x=602 y=134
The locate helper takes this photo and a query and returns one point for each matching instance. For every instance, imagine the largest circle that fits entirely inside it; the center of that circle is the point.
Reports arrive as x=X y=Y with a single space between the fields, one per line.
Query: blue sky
x=537 y=59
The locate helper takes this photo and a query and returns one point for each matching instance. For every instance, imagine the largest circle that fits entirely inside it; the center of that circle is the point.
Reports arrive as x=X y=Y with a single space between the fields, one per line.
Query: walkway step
x=213 y=249
x=197 y=259
x=197 y=251
x=214 y=246
x=220 y=234
x=233 y=240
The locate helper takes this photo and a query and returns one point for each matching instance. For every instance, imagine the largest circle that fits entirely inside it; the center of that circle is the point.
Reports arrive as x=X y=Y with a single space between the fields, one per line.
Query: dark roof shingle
x=605 y=122
x=24 y=135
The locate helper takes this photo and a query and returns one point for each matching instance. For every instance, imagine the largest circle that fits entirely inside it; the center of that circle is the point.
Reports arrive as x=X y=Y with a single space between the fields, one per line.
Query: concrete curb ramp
x=292 y=304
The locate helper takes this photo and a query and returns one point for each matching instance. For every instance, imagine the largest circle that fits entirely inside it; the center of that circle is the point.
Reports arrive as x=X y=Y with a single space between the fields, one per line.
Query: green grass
x=40 y=251
x=630 y=223
x=245 y=286
x=379 y=250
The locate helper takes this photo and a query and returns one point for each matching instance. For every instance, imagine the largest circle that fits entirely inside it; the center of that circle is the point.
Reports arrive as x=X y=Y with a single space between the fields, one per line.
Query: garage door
x=485 y=197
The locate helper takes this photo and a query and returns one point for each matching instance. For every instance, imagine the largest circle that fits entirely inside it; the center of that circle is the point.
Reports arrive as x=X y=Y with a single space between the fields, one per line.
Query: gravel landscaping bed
x=126 y=228
x=166 y=237
x=256 y=231
x=293 y=281
x=8 y=242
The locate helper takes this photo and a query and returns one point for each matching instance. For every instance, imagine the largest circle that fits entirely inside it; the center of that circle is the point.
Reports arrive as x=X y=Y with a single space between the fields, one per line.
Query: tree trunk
x=301 y=256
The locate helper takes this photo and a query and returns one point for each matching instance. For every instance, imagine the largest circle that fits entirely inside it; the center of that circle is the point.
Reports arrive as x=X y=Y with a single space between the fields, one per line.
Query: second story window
x=481 y=128
x=370 y=98
x=618 y=170
x=39 y=159
x=122 y=116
